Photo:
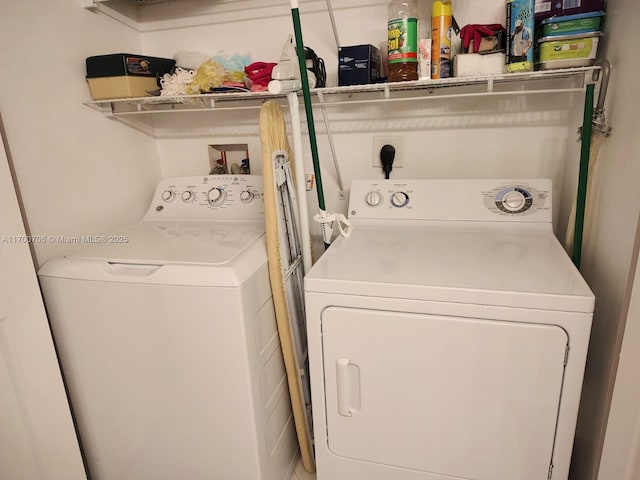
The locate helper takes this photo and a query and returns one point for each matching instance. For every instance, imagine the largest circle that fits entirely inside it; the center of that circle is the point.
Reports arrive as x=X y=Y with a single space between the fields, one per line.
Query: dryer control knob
x=399 y=199
x=216 y=196
x=246 y=196
x=373 y=198
x=514 y=201
x=188 y=196
x=168 y=195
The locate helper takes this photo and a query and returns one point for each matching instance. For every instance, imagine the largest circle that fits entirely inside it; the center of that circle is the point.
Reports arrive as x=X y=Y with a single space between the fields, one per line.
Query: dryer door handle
x=347 y=387
x=342 y=386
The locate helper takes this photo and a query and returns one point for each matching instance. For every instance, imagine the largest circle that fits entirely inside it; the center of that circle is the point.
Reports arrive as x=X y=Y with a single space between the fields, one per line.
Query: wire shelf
x=144 y=109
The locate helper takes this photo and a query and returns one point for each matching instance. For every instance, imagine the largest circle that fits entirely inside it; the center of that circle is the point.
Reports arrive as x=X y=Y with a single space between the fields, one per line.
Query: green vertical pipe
x=585 y=152
x=308 y=107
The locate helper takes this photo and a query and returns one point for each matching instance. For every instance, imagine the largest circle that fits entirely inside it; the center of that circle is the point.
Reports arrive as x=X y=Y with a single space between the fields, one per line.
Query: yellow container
x=441 y=39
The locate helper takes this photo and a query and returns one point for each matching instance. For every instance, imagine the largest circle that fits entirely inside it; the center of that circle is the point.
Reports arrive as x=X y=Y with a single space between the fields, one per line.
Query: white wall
x=443 y=138
x=79 y=172
x=608 y=247
x=621 y=450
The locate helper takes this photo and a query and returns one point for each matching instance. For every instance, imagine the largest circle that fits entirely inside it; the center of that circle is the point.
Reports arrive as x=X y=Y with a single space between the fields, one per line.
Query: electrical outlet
x=395 y=141
x=309 y=180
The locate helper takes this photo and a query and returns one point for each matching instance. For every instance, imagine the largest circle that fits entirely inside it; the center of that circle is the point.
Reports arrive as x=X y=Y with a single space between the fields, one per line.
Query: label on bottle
x=441 y=32
x=403 y=40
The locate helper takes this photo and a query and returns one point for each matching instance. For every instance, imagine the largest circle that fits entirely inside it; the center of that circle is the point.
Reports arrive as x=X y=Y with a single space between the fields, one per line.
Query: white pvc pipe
x=303 y=212
x=284 y=86
x=333 y=24
x=333 y=149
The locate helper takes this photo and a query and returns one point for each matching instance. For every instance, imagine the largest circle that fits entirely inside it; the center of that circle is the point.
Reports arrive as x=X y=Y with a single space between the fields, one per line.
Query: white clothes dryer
x=447 y=335
x=167 y=337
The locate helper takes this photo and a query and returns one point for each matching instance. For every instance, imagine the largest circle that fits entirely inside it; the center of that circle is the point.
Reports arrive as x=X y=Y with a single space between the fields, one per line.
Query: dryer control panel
x=499 y=200
x=208 y=197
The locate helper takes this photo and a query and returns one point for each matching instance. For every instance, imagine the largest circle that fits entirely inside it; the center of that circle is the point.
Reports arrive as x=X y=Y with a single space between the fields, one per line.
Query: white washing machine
x=167 y=338
x=447 y=335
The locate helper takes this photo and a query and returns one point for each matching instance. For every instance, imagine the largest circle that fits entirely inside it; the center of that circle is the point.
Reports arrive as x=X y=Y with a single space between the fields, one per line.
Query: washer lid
x=514 y=267
x=162 y=243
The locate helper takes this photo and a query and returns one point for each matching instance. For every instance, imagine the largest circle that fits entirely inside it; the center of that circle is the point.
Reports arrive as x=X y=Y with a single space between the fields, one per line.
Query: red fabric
x=476 y=32
x=259 y=73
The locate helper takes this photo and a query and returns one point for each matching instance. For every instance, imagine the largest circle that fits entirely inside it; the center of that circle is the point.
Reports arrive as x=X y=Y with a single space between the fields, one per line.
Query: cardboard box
x=124 y=75
x=359 y=65
x=477 y=65
x=424 y=59
x=109 y=88
x=520 y=36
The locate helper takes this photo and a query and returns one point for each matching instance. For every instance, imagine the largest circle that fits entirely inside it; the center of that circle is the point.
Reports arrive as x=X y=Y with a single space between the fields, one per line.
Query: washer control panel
x=464 y=199
x=207 y=197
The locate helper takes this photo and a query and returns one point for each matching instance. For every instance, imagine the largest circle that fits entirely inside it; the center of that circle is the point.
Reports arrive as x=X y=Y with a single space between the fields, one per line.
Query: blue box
x=359 y=65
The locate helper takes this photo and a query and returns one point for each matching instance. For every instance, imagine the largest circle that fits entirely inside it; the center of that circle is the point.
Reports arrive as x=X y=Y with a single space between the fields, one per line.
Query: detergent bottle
x=441 y=31
x=403 y=40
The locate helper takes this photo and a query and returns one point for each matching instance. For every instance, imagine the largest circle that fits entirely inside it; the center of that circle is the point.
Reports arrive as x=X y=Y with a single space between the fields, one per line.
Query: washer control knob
x=216 y=196
x=399 y=199
x=246 y=196
x=373 y=198
x=188 y=196
x=514 y=201
x=168 y=195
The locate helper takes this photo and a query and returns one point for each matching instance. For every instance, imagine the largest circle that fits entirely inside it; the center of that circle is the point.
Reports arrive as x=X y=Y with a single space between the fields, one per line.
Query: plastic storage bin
x=571 y=24
x=124 y=75
x=565 y=51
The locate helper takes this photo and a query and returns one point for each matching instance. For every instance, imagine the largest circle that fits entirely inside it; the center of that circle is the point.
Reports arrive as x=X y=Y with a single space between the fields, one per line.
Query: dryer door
x=463 y=397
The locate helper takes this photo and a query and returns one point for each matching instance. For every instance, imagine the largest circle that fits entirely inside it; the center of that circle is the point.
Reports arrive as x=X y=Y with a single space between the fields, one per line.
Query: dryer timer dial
x=399 y=199
x=514 y=200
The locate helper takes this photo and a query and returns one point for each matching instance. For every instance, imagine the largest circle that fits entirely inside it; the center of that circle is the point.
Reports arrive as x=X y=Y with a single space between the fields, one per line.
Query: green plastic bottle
x=403 y=40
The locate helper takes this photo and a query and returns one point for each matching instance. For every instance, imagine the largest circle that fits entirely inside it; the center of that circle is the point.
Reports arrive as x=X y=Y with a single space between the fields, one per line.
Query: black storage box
x=359 y=65
x=125 y=75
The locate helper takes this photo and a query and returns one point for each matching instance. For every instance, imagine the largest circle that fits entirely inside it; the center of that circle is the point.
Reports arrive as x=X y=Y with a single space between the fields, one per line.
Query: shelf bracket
x=490 y=85
x=89 y=4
